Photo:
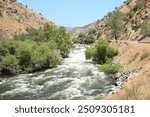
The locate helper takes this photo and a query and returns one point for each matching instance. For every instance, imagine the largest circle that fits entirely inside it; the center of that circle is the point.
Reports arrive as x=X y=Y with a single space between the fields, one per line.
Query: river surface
x=76 y=78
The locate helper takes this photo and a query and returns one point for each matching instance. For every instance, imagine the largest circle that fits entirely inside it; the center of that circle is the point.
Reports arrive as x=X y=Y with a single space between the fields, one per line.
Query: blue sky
x=72 y=13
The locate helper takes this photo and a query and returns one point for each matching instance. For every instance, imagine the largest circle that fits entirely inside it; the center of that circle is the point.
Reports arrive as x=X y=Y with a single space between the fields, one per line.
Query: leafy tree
x=89 y=39
x=48 y=32
x=24 y=52
x=111 y=52
x=116 y=23
x=101 y=52
x=42 y=54
x=138 y=5
x=37 y=49
x=63 y=40
x=90 y=52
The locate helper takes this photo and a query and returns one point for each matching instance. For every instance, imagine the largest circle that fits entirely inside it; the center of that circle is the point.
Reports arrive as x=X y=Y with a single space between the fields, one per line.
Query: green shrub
x=111 y=52
x=116 y=22
x=137 y=6
x=130 y=14
x=145 y=28
x=24 y=53
x=55 y=59
x=86 y=39
x=37 y=49
x=9 y=65
x=109 y=68
x=109 y=61
x=9 y=60
x=4 y=48
x=89 y=39
x=93 y=31
x=42 y=54
x=101 y=52
x=90 y=52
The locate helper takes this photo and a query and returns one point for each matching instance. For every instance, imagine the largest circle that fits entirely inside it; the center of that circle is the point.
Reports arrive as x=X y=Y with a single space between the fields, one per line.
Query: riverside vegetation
x=37 y=50
x=102 y=53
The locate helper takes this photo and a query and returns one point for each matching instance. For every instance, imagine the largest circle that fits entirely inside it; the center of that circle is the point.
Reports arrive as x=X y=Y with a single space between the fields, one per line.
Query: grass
x=131 y=92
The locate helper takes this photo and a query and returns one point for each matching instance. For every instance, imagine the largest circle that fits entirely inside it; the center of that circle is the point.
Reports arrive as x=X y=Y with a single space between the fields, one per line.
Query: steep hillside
x=135 y=14
x=15 y=18
x=133 y=56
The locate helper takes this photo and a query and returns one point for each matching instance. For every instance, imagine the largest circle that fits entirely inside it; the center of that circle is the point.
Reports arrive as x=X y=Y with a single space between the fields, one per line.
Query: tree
x=24 y=53
x=116 y=22
x=102 y=51
x=145 y=28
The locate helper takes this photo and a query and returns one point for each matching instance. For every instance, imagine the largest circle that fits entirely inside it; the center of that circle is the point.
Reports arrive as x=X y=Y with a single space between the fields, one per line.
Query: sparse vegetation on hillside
x=34 y=51
x=145 y=28
x=137 y=6
x=3 y=35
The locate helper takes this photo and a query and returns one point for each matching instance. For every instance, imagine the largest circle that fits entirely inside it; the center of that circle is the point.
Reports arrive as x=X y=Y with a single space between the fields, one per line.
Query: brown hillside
x=133 y=56
x=15 y=18
x=132 y=25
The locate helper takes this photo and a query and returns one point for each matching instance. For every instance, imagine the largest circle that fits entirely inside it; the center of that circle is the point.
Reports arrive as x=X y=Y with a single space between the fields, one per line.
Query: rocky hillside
x=15 y=18
x=135 y=13
x=76 y=31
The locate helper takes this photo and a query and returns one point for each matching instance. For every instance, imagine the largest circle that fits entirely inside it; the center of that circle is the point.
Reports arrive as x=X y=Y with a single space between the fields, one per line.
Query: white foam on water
x=75 y=73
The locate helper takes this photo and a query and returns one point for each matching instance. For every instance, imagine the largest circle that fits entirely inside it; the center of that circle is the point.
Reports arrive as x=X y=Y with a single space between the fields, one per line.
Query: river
x=76 y=78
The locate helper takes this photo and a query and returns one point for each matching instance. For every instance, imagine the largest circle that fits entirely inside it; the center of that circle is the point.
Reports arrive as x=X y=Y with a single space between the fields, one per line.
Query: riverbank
x=133 y=81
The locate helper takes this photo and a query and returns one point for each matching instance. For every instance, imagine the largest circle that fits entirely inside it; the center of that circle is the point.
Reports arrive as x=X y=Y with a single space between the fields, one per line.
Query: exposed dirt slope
x=15 y=18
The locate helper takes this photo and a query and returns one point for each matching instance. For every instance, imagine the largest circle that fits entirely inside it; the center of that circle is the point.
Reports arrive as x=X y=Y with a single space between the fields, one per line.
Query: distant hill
x=76 y=31
x=15 y=18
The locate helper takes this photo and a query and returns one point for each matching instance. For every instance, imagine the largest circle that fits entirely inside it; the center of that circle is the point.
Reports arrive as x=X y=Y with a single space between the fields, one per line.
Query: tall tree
x=116 y=22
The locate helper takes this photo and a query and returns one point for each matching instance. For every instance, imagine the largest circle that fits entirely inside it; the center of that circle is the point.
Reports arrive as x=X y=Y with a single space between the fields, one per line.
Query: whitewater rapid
x=76 y=78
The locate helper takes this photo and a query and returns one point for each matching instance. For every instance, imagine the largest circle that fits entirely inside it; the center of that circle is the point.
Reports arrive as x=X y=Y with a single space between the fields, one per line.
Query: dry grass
x=13 y=26
x=139 y=87
x=144 y=54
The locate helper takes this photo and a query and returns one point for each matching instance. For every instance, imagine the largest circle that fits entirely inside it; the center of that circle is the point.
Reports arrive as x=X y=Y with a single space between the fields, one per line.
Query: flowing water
x=75 y=78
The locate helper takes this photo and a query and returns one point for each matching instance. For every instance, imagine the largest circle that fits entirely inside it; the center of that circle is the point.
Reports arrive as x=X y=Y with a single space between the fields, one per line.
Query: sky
x=72 y=13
